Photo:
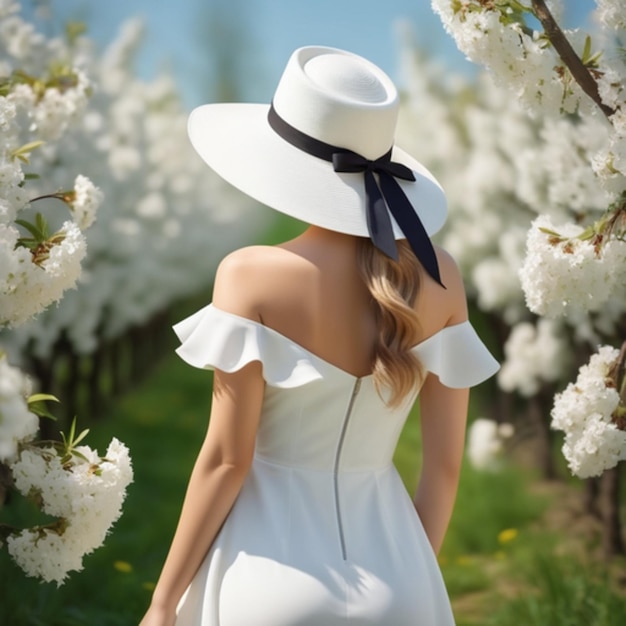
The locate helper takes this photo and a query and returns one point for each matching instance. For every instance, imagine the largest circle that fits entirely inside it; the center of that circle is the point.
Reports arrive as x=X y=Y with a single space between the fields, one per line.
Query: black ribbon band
x=382 y=196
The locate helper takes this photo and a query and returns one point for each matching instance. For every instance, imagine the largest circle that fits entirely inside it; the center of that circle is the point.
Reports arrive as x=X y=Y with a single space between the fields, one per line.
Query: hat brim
x=237 y=142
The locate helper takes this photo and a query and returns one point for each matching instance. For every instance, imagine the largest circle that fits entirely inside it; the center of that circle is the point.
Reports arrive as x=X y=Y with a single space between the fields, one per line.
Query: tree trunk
x=613 y=542
x=540 y=420
x=6 y=482
x=96 y=397
x=592 y=497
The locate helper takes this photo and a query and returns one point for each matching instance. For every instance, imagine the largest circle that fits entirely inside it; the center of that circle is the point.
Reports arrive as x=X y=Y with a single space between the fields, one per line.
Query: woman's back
x=310 y=290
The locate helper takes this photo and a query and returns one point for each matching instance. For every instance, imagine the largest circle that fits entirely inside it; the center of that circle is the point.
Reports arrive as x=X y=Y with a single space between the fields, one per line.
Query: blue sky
x=177 y=34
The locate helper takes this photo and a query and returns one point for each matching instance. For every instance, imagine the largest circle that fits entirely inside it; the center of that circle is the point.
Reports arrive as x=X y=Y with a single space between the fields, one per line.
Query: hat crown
x=339 y=98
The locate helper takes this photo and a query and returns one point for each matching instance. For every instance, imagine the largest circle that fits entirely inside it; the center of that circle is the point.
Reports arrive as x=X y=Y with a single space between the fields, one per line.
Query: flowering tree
x=36 y=108
x=42 y=94
x=67 y=108
x=168 y=221
x=573 y=267
x=546 y=147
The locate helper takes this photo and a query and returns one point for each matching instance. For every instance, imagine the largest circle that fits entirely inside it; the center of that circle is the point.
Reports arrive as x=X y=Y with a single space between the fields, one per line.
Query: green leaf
x=72 y=431
x=23 y=151
x=594 y=60
x=80 y=455
x=80 y=437
x=39 y=230
x=518 y=7
x=27 y=242
x=39 y=397
x=587 y=234
x=42 y=225
x=586 y=50
x=547 y=231
x=40 y=410
x=37 y=234
x=71 y=441
x=73 y=30
x=37 y=404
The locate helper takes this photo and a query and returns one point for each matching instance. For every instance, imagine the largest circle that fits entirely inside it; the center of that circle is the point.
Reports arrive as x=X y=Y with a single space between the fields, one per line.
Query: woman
x=294 y=513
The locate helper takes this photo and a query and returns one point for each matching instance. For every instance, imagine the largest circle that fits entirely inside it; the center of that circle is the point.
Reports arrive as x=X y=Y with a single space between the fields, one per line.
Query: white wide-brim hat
x=332 y=96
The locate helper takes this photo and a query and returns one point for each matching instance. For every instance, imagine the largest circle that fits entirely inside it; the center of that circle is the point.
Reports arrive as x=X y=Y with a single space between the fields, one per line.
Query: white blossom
x=7 y=114
x=8 y=7
x=25 y=287
x=521 y=61
x=46 y=554
x=534 y=355
x=88 y=198
x=56 y=110
x=611 y=13
x=496 y=277
x=485 y=443
x=610 y=87
x=32 y=280
x=86 y=496
x=19 y=38
x=11 y=174
x=166 y=220
x=501 y=167
x=17 y=423
x=566 y=274
x=584 y=411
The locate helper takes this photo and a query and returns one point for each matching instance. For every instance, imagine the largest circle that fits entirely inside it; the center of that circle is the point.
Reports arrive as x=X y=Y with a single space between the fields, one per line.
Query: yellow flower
x=464 y=560
x=507 y=535
x=148 y=586
x=123 y=566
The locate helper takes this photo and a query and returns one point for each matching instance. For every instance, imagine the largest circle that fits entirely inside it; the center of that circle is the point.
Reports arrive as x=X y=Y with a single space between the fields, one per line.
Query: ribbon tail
x=410 y=224
x=378 y=220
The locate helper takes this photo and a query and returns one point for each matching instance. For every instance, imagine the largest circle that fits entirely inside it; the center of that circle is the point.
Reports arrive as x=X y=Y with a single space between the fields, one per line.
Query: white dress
x=323 y=532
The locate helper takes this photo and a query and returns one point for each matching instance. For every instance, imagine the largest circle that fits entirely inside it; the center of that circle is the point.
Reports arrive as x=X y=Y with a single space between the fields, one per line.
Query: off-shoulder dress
x=323 y=532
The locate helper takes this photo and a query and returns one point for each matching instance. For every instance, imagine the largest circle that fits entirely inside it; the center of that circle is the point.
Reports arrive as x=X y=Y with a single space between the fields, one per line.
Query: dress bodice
x=315 y=415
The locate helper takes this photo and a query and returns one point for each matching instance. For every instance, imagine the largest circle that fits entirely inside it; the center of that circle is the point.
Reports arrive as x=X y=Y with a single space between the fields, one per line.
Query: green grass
x=487 y=504
x=562 y=591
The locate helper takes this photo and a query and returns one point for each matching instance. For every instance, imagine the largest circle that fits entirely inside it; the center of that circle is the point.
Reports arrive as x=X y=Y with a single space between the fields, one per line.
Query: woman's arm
x=215 y=482
x=222 y=464
x=443 y=415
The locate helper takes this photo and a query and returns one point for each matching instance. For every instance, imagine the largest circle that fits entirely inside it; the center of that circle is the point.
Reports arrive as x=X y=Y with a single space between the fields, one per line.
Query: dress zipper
x=346 y=419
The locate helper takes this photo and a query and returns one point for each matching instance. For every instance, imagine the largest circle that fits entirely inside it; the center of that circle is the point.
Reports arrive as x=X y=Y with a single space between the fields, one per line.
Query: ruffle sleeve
x=215 y=339
x=457 y=356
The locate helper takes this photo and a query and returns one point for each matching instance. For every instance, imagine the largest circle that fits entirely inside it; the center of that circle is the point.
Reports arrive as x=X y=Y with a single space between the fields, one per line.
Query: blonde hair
x=394 y=286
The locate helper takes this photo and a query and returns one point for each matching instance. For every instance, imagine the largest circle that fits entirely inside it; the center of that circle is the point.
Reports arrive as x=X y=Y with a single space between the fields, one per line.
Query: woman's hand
x=159 y=616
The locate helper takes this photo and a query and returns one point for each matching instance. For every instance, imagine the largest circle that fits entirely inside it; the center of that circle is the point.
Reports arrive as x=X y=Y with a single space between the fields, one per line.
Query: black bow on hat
x=382 y=196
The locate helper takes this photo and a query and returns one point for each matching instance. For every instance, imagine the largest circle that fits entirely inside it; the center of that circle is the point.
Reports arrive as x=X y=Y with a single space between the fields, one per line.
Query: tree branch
x=619 y=376
x=572 y=61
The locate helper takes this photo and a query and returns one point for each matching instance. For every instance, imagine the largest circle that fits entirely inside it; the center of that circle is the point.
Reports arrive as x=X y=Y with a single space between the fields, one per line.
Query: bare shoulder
x=244 y=276
x=449 y=269
x=452 y=299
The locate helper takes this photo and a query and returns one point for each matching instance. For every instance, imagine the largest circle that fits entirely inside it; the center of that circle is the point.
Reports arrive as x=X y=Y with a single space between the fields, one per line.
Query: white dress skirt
x=323 y=532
